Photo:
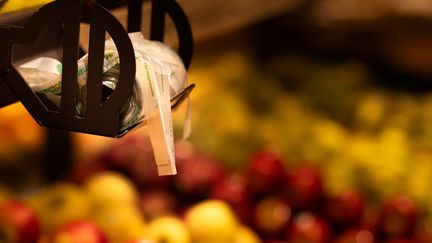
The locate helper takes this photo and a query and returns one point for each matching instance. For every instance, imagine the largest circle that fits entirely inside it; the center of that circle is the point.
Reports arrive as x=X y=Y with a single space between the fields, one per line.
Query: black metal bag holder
x=57 y=26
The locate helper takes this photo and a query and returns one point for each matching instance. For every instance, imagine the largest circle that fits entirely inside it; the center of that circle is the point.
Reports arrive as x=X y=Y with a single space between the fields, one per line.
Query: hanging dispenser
x=53 y=31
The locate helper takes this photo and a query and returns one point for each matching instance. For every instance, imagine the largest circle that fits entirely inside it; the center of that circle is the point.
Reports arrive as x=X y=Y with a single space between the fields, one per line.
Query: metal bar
x=70 y=57
x=184 y=31
x=157 y=25
x=134 y=15
x=58 y=155
x=95 y=63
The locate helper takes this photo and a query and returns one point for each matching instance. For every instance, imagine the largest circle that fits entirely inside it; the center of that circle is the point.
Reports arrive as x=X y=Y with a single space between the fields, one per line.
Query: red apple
x=84 y=169
x=398 y=217
x=356 y=236
x=157 y=202
x=233 y=189
x=82 y=231
x=183 y=150
x=18 y=223
x=145 y=175
x=265 y=171
x=122 y=152
x=403 y=240
x=345 y=208
x=308 y=228
x=305 y=187
x=424 y=231
x=133 y=155
x=272 y=216
x=370 y=218
x=196 y=176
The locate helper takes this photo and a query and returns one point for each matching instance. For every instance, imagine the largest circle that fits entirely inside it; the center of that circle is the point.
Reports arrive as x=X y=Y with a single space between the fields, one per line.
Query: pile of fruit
x=118 y=197
x=336 y=116
x=278 y=201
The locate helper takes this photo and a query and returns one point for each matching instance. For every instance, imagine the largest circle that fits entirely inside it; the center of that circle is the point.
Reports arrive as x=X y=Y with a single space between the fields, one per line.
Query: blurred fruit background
x=312 y=122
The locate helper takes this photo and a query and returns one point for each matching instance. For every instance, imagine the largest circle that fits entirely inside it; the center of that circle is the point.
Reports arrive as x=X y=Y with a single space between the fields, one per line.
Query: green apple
x=212 y=221
x=110 y=189
x=60 y=203
x=168 y=229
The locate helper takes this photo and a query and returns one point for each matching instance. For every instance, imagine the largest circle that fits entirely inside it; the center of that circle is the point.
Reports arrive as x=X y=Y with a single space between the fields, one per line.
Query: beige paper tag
x=159 y=122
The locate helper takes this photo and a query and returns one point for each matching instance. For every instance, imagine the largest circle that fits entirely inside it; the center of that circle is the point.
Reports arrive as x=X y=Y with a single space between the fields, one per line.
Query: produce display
x=109 y=207
x=267 y=200
x=289 y=149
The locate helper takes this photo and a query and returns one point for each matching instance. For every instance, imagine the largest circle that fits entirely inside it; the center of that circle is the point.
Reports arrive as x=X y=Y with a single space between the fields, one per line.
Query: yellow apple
x=60 y=203
x=121 y=224
x=246 y=235
x=82 y=231
x=110 y=189
x=211 y=221
x=168 y=229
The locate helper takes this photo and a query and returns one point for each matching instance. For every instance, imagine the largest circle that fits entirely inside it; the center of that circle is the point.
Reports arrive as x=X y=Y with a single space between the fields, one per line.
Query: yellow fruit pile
x=110 y=200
